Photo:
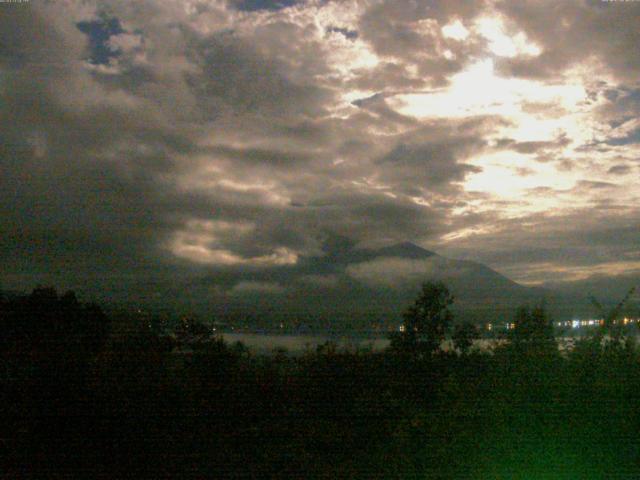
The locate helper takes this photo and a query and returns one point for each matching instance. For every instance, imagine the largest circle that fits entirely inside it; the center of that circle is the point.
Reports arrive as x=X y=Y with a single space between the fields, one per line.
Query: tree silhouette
x=53 y=325
x=610 y=317
x=426 y=321
x=463 y=336
x=533 y=330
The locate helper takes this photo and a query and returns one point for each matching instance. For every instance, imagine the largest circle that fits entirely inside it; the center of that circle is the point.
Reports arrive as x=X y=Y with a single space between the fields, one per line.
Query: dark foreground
x=77 y=403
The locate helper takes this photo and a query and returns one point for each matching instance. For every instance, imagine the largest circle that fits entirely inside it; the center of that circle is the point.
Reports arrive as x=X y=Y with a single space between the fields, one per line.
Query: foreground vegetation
x=83 y=403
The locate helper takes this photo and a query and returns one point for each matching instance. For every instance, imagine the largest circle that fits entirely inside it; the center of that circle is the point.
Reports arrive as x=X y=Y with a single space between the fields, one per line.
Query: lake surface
x=298 y=344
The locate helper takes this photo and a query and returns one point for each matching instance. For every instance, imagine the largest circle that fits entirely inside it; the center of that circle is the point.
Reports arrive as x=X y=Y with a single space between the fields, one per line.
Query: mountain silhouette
x=350 y=287
x=404 y=250
x=387 y=279
x=345 y=286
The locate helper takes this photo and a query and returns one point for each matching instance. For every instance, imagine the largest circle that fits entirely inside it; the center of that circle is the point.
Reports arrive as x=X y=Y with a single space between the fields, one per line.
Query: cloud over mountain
x=188 y=139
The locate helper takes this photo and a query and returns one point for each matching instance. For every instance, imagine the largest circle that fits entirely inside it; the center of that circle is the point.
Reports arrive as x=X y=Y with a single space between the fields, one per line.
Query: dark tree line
x=82 y=403
x=51 y=325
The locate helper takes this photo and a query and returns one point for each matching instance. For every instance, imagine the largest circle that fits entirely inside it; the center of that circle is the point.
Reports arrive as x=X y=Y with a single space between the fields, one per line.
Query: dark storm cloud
x=264 y=157
x=619 y=169
x=581 y=188
x=619 y=108
x=571 y=32
x=233 y=75
x=431 y=164
x=630 y=138
x=533 y=147
x=429 y=161
x=385 y=75
x=411 y=32
x=257 y=5
x=621 y=102
x=102 y=179
x=594 y=185
x=556 y=246
x=74 y=206
x=81 y=188
x=377 y=105
x=171 y=139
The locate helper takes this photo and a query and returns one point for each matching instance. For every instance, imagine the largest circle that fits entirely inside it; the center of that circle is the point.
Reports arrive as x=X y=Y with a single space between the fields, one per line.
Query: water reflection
x=298 y=344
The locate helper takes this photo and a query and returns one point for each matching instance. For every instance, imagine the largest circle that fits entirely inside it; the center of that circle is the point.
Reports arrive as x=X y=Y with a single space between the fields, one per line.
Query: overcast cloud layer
x=150 y=139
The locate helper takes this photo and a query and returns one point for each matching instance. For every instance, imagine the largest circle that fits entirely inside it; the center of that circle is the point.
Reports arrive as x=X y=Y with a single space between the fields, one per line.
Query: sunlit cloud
x=455 y=30
x=210 y=135
x=548 y=272
x=202 y=242
x=479 y=89
x=502 y=44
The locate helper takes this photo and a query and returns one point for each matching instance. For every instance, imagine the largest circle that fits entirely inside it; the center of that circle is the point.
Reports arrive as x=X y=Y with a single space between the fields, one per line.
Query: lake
x=298 y=344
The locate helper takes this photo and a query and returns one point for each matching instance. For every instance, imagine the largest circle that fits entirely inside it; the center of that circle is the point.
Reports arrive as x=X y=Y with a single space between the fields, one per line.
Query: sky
x=165 y=141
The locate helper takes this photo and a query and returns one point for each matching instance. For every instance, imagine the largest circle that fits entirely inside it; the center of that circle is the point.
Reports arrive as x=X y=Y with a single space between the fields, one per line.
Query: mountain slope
x=353 y=288
x=481 y=293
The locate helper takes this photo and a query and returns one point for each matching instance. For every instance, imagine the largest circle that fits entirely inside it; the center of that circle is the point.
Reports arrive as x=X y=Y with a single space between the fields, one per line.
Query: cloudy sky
x=153 y=138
